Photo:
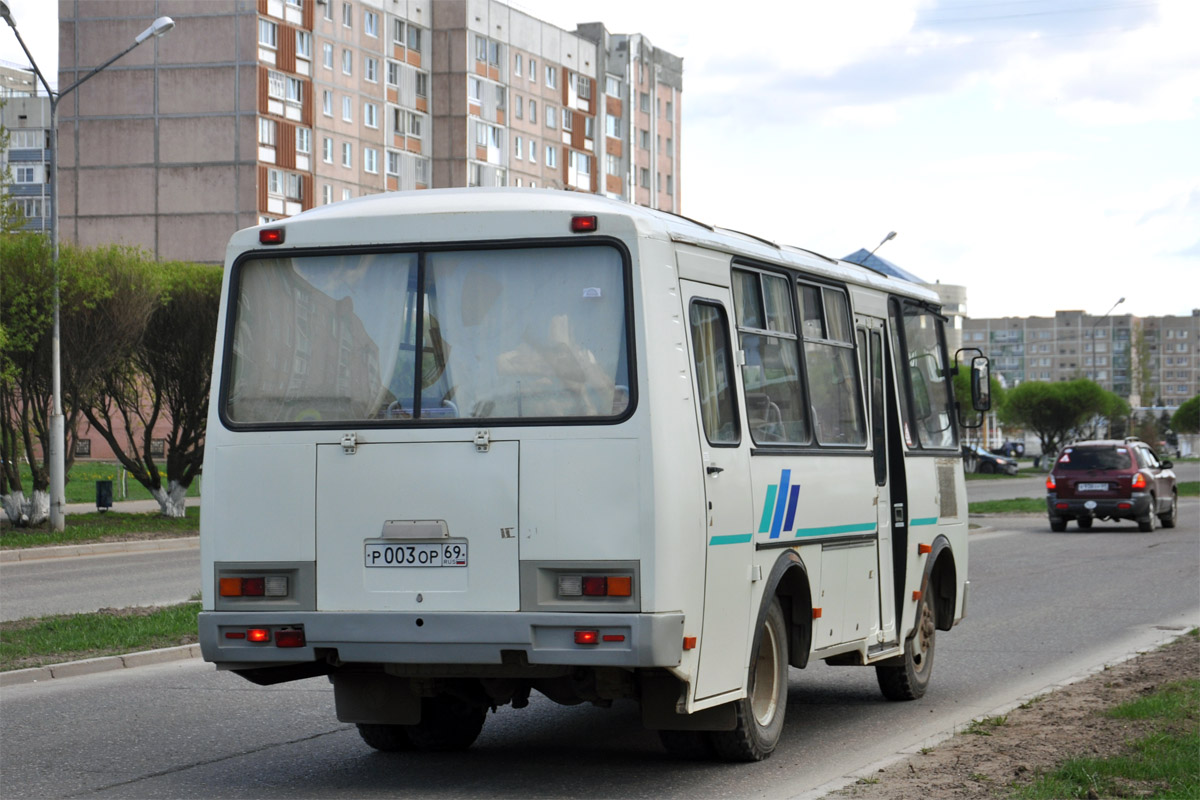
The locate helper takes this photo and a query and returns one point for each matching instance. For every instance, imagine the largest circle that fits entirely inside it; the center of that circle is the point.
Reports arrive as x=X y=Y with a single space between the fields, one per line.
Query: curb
x=101 y=548
x=91 y=666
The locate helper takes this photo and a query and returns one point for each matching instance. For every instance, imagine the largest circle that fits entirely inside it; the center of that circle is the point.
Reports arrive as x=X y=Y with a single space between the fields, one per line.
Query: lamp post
x=157 y=28
x=891 y=235
x=1105 y=316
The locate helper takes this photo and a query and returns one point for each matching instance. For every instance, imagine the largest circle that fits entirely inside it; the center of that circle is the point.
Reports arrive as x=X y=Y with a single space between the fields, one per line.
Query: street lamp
x=157 y=28
x=891 y=235
x=1106 y=313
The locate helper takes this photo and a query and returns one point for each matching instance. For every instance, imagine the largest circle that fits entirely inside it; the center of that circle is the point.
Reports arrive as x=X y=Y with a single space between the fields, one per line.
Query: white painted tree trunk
x=23 y=511
x=171 y=500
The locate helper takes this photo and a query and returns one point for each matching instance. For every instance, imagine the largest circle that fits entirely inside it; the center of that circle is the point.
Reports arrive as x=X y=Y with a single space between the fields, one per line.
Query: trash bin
x=103 y=495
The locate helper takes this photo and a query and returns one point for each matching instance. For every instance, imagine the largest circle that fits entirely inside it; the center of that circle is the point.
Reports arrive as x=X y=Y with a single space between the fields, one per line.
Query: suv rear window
x=1094 y=458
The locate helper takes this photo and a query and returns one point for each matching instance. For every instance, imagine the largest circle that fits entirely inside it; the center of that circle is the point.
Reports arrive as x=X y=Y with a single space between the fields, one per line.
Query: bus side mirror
x=981 y=383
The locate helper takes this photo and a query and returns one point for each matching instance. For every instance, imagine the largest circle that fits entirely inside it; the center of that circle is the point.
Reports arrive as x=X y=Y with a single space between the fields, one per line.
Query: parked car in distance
x=1010 y=449
x=978 y=459
x=1112 y=480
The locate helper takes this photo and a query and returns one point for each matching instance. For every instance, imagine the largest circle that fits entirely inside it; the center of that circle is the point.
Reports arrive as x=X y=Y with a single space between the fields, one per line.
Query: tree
x=1187 y=418
x=1053 y=411
x=168 y=378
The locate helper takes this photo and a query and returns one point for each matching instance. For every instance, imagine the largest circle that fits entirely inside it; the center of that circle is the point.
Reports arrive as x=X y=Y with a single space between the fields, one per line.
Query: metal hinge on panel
x=349 y=443
x=482 y=441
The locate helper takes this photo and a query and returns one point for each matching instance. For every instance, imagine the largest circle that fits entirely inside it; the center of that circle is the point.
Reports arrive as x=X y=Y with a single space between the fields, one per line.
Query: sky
x=1043 y=153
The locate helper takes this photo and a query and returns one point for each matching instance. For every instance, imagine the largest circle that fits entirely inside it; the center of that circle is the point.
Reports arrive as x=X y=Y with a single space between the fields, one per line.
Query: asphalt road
x=87 y=583
x=1043 y=607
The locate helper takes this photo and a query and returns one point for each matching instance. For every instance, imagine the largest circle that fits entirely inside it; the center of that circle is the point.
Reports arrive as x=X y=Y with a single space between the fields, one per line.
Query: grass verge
x=71 y=637
x=1018 y=505
x=81 y=482
x=111 y=526
x=1188 y=488
x=1161 y=764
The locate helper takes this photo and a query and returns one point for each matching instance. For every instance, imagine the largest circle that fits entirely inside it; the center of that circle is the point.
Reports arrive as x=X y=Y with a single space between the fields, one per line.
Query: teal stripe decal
x=733 y=538
x=768 y=509
x=864 y=527
x=924 y=521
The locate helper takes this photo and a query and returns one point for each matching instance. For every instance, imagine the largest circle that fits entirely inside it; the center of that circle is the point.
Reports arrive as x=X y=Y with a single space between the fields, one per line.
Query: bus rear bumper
x=401 y=637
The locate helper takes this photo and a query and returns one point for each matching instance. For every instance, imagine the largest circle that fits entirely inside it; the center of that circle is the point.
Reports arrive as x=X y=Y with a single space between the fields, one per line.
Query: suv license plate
x=1092 y=487
x=416 y=554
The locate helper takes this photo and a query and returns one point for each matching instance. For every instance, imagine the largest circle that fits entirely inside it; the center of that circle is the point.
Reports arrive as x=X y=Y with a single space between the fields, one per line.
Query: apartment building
x=254 y=110
x=25 y=115
x=1146 y=360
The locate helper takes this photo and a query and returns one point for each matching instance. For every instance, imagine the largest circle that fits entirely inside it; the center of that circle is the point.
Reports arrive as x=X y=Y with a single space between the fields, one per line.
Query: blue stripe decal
x=864 y=527
x=733 y=538
x=785 y=477
x=923 y=521
x=792 y=503
x=765 y=525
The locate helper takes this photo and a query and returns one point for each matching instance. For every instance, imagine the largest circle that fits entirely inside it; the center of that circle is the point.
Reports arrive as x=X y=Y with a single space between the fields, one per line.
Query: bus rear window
x=501 y=334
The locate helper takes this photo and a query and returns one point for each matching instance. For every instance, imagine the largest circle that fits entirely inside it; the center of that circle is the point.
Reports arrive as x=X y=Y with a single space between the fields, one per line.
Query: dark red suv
x=1107 y=479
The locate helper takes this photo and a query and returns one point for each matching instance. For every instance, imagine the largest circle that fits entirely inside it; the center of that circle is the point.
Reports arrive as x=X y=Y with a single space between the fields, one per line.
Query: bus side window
x=714 y=373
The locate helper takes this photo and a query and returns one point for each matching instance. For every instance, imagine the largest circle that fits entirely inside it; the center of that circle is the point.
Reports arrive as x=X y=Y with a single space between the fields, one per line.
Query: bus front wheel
x=760 y=714
x=910 y=679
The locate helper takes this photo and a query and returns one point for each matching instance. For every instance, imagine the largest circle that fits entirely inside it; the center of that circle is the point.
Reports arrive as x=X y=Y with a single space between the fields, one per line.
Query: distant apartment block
x=25 y=115
x=1122 y=353
x=254 y=110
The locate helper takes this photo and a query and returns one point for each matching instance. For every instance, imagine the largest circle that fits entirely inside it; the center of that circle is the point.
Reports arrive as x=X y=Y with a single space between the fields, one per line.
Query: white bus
x=466 y=444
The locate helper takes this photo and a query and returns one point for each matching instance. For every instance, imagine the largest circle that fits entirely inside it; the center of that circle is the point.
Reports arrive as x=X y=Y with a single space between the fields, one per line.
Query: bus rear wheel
x=909 y=680
x=760 y=714
x=448 y=723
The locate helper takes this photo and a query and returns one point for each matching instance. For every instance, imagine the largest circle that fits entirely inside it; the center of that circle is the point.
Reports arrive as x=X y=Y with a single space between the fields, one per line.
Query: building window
x=644 y=178
x=612 y=164
x=83 y=448
x=327 y=103
x=326 y=194
x=347 y=62
x=532 y=110
x=612 y=126
x=582 y=163
x=583 y=86
x=519 y=149
x=393 y=163
x=328 y=11
x=566 y=119
x=644 y=101
x=268 y=34
x=414 y=39
x=517 y=65
x=370 y=115
x=612 y=86
x=475 y=89
x=303 y=140
x=347 y=154
x=268 y=129
x=29 y=174
x=327 y=150
x=500 y=95
x=158 y=447
x=393 y=73
x=551 y=156
x=371 y=160
x=481 y=48
x=293 y=187
x=422 y=85
x=533 y=69
x=552 y=77
x=670 y=112
x=551 y=117
x=347 y=194
x=347 y=109
x=532 y=151
x=670 y=184
x=273 y=186
x=295 y=89
x=347 y=15
x=327 y=55
x=398 y=32
x=371 y=23
x=518 y=106
x=304 y=45
x=31 y=207
x=371 y=69
x=275 y=84
x=644 y=139
x=415 y=124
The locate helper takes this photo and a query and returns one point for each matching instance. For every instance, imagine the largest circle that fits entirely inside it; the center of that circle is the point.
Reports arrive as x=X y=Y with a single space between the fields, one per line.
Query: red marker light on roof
x=270 y=236
x=583 y=224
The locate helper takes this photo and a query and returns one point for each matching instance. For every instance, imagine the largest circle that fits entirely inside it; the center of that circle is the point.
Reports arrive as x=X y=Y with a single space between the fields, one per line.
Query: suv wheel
x=1168 y=519
x=1148 y=523
x=1058 y=524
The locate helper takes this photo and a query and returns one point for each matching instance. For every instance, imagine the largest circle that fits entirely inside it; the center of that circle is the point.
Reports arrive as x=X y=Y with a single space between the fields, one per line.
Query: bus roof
x=648 y=222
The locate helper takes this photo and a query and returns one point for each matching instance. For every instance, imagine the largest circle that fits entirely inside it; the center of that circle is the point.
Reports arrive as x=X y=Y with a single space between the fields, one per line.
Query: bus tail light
x=289 y=637
x=595 y=586
x=258 y=635
x=254 y=586
x=587 y=637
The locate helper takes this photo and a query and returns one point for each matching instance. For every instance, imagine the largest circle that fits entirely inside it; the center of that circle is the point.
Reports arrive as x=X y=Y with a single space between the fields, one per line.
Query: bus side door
x=725 y=469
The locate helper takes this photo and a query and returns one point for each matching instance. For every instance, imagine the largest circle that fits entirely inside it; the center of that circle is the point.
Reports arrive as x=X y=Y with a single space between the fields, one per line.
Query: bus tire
x=385 y=738
x=760 y=714
x=447 y=724
x=910 y=679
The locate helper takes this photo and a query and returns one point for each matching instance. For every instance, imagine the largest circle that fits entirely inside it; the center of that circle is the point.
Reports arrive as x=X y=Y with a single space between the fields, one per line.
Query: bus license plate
x=1093 y=487
x=416 y=554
